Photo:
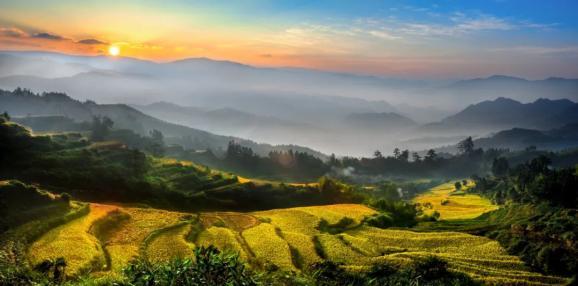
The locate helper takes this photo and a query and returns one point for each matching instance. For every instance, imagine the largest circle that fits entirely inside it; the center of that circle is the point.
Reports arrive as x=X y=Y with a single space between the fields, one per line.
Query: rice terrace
x=287 y=238
x=288 y=143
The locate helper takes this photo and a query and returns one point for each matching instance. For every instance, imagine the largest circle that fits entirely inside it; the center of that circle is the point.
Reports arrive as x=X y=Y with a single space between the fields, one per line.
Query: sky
x=403 y=39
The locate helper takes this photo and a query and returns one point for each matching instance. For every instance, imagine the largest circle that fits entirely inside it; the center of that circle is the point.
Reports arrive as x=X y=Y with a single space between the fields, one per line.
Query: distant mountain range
x=518 y=88
x=333 y=112
x=126 y=117
x=508 y=113
x=565 y=137
x=229 y=121
x=518 y=138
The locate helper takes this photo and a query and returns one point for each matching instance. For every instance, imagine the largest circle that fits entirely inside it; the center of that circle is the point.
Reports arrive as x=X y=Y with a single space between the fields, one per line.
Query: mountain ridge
x=24 y=103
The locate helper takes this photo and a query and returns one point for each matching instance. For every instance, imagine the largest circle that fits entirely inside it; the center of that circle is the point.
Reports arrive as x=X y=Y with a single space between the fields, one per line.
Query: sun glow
x=114 y=51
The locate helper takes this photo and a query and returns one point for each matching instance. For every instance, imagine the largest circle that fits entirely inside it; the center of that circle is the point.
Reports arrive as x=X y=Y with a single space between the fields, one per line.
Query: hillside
x=22 y=103
x=110 y=171
x=284 y=239
x=504 y=113
x=515 y=139
x=135 y=205
x=278 y=241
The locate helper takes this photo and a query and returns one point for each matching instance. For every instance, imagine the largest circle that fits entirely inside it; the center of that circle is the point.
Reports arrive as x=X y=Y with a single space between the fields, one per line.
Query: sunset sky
x=406 y=39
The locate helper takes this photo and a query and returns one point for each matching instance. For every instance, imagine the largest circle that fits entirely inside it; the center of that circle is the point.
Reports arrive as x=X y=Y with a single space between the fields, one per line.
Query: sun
x=114 y=51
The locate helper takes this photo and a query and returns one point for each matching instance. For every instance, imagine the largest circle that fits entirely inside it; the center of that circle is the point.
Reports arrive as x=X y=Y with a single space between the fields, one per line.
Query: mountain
x=513 y=87
x=565 y=137
x=279 y=105
x=229 y=121
x=507 y=113
x=517 y=138
x=22 y=103
x=385 y=121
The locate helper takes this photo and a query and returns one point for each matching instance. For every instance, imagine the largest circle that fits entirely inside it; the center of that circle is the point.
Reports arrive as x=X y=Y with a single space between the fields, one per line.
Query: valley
x=288 y=143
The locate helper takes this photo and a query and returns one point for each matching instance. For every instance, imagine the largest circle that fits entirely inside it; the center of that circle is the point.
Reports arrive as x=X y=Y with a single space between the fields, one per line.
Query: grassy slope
x=288 y=238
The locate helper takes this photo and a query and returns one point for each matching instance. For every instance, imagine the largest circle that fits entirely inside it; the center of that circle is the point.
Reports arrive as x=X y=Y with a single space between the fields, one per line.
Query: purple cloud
x=91 y=42
x=48 y=36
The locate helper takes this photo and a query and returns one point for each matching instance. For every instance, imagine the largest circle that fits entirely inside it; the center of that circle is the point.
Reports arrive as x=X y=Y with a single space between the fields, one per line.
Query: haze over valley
x=344 y=114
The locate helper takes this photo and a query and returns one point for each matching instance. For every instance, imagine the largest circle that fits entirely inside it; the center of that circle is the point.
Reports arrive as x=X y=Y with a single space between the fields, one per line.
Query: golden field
x=451 y=205
x=73 y=241
x=286 y=238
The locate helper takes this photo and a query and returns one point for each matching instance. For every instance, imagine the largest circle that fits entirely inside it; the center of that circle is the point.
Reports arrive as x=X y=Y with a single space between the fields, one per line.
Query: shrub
x=65 y=197
x=336 y=228
x=328 y=273
x=381 y=220
x=402 y=214
x=210 y=267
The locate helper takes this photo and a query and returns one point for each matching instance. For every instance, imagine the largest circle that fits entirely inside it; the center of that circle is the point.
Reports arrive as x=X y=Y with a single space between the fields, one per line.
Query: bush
x=401 y=213
x=336 y=228
x=430 y=271
x=65 y=197
x=210 y=267
x=328 y=273
x=381 y=220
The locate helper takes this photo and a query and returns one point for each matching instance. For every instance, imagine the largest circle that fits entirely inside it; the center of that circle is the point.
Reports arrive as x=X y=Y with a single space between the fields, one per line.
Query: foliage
x=500 y=166
x=20 y=203
x=209 y=267
x=393 y=213
x=289 y=164
x=100 y=128
x=458 y=185
x=429 y=271
x=538 y=220
x=335 y=228
x=116 y=173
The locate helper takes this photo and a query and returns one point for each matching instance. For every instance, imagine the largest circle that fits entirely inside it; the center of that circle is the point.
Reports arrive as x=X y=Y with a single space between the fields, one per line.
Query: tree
x=65 y=197
x=396 y=153
x=466 y=146
x=500 y=167
x=333 y=162
x=100 y=127
x=458 y=185
x=377 y=154
x=138 y=162
x=158 y=145
x=404 y=156
x=56 y=267
x=6 y=116
x=430 y=156
x=416 y=157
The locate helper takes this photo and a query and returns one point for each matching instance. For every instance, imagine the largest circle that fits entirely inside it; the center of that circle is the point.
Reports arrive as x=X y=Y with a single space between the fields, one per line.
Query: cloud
x=460 y=25
x=12 y=32
x=91 y=42
x=47 y=36
x=483 y=23
x=382 y=34
x=537 y=50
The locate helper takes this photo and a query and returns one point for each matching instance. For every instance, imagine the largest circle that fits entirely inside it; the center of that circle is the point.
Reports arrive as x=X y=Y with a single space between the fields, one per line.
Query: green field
x=286 y=238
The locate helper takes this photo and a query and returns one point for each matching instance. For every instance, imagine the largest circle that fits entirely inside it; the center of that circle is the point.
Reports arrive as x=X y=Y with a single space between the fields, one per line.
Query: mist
x=336 y=113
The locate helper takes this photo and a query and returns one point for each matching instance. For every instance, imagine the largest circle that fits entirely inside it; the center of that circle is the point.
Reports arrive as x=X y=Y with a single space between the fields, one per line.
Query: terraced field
x=453 y=204
x=287 y=238
x=73 y=241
